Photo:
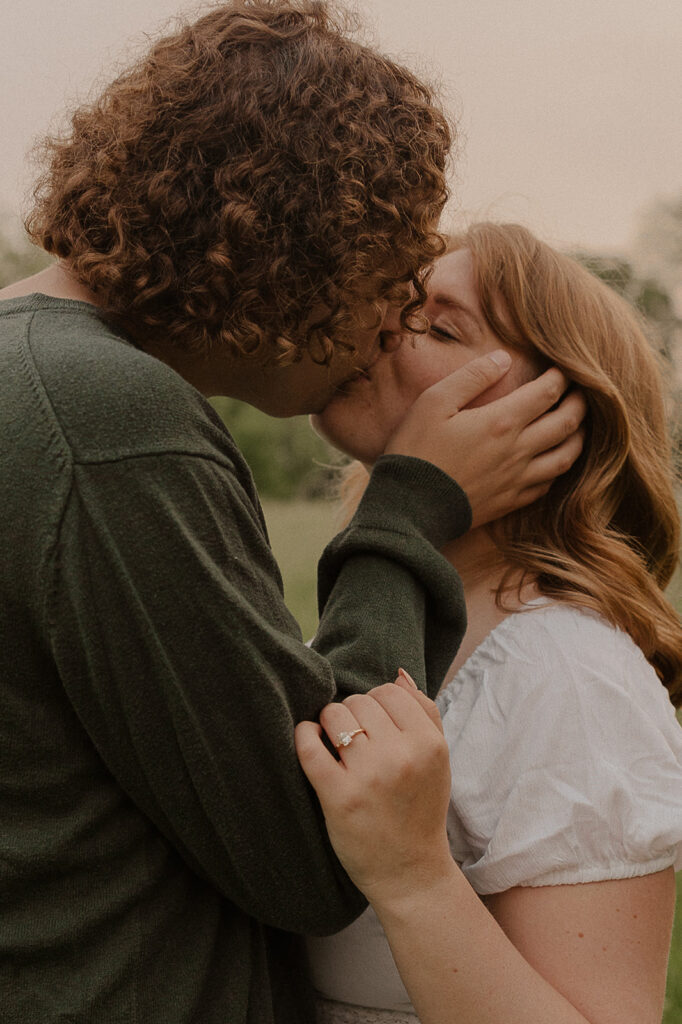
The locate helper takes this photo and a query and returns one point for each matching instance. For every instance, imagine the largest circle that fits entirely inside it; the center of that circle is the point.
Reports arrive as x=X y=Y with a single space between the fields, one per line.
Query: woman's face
x=360 y=419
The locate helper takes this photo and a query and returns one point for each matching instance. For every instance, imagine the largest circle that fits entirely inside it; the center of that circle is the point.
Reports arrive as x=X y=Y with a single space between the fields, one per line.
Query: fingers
x=456 y=390
x=544 y=469
x=555 y=427
x=339 y=718
x=408 y=710
x=379 y=713
x=523 y=405
x=319 y=765
x=405 y=680
x=408 y=684
x=536 y=477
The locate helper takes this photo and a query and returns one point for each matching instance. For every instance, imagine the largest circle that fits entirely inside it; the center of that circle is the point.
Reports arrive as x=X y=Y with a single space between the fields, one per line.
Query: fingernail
x=407 y=677
x=501 y=358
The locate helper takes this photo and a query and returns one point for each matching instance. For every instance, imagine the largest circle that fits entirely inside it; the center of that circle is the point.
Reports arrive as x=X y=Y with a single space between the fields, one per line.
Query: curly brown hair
x=250 y=182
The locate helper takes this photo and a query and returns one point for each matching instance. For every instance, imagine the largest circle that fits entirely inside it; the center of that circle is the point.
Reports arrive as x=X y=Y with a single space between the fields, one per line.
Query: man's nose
x=390 y=337
x=389 y=341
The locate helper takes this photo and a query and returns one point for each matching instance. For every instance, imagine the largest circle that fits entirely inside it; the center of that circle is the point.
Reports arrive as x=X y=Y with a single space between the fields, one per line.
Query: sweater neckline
x=33 y=301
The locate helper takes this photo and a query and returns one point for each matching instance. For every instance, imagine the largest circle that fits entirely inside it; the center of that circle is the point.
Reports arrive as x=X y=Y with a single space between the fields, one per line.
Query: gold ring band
x=344 y=739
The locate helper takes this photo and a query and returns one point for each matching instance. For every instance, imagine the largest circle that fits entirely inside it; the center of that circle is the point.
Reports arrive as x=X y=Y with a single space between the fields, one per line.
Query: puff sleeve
x=566 y=756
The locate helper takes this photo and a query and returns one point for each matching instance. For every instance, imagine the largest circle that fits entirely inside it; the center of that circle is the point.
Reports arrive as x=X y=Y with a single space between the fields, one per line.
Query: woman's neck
x=481 y=567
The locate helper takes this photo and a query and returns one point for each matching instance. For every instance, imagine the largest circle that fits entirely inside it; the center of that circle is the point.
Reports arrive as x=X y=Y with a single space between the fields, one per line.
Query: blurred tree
x=655 y=301
x=647 y=294
x=658 y=243
x=19 y=258
x=286 y=458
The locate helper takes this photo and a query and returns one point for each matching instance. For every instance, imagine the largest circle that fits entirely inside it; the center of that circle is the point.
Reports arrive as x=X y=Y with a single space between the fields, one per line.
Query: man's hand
x=505 y=454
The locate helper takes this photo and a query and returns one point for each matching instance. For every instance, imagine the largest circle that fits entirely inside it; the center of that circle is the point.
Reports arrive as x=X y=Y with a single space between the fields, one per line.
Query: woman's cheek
x=362 y=423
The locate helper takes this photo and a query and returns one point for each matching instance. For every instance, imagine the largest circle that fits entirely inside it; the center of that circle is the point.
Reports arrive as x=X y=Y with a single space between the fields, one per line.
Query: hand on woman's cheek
x=508 y=383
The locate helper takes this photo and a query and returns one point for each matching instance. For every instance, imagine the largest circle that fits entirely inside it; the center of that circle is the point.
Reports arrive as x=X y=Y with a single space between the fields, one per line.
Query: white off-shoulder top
x=566 y=760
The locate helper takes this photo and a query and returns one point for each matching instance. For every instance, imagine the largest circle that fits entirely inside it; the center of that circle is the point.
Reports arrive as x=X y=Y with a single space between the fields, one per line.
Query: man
x=241 y=213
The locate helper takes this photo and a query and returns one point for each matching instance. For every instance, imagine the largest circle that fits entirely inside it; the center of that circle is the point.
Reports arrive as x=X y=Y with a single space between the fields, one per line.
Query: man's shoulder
x=111 y=400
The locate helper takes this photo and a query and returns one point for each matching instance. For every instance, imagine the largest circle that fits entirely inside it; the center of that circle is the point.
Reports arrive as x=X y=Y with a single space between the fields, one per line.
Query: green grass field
x=298 y=532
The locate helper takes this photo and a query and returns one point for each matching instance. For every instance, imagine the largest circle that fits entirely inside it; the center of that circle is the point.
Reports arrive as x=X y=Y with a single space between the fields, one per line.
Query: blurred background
x=568 y=121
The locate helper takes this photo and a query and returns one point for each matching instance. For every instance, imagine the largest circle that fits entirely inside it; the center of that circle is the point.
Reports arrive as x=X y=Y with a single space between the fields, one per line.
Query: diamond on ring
x=344 y=739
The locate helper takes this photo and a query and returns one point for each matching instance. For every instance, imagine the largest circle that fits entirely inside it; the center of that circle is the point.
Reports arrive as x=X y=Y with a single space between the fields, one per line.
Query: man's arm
x=388 y=598
x=176 y=649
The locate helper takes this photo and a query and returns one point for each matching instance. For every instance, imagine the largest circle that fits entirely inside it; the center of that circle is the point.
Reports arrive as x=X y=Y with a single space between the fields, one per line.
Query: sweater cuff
x=405 y=493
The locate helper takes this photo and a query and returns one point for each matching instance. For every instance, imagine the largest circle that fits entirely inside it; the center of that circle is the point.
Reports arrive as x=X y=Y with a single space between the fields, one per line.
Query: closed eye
x=441 y=334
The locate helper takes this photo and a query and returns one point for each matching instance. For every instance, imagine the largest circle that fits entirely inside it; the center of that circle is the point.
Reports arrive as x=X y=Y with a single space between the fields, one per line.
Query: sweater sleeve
x=388 y=598
x=175 y=648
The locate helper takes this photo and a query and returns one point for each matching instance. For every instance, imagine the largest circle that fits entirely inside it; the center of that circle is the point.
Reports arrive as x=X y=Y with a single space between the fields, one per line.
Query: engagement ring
x=344 y=739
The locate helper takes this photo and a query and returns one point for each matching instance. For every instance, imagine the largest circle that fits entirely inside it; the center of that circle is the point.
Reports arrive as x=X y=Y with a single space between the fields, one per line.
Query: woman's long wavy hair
x=250 y=182
x=606 y=536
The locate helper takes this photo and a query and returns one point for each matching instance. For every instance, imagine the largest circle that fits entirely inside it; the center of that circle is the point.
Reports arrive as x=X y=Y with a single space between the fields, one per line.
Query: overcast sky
x=570 y=113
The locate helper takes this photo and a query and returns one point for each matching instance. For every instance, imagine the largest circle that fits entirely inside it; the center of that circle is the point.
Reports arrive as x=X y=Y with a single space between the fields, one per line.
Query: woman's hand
x=505 y=454
x=385 y=800
x=385 y=803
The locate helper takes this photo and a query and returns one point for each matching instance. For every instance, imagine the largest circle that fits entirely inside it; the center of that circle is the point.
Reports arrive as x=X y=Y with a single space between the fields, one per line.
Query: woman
x=565 y=812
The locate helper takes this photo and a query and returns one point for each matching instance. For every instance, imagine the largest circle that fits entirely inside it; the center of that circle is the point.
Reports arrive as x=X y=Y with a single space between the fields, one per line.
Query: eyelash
x=442 y=335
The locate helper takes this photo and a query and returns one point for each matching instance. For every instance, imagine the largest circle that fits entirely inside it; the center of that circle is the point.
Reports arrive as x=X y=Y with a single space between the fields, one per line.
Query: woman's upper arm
x=603 y=945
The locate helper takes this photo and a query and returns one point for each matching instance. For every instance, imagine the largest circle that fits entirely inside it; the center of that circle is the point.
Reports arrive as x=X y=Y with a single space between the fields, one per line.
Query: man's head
x=249 y=185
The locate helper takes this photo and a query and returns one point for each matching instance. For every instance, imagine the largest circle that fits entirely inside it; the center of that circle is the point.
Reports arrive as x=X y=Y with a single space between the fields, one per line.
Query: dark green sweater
x=159 y=847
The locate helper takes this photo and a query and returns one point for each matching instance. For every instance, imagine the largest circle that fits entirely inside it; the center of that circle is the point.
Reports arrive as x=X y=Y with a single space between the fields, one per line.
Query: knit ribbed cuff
x=405 y=493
